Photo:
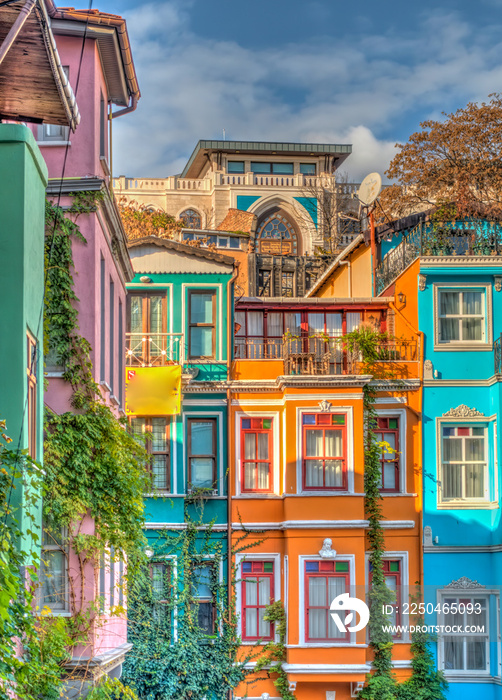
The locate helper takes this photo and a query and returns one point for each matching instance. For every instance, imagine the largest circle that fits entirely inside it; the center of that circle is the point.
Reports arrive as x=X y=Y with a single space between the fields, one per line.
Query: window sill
x=326 y=645
x=468 y=505
x=54 y=613
x=40 y=144
x=480 y=677
x=462 y=347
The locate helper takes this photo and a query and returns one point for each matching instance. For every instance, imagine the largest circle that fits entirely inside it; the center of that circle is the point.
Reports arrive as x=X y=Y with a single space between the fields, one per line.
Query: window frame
x=323 y=574
x=402 y=415
x=213 y=324
x=490 y=636
x=257 y=575
x=214 y=457
x=386 y=561
x=193 y=214
x=209 y=563
x=256 y=431
x=64 y=609
x=343 y=458
x=461 y=345
x=32 y=393
x=392 y=457
x=310 y=165
x=147 y=430
x=146 y=297
x=236 y=172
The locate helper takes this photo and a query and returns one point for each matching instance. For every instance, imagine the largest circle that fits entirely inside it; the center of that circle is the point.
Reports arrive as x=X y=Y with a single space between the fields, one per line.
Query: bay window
x=257 y=592
x=324 y=581
x=324 y=451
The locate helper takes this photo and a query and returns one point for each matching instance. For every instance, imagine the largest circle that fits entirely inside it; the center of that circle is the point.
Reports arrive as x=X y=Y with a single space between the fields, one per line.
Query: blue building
x=180 y=315
x=456 y=270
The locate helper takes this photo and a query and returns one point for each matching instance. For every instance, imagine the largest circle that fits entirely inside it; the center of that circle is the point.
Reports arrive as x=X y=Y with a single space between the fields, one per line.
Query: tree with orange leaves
x=141 y=221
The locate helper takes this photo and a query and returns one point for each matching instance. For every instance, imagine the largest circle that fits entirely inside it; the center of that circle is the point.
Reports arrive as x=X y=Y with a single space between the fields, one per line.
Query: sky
x=324 y=71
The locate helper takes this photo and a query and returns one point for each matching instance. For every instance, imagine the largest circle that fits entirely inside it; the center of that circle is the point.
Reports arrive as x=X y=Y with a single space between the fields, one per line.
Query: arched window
x=191 y=218
x=276 y=235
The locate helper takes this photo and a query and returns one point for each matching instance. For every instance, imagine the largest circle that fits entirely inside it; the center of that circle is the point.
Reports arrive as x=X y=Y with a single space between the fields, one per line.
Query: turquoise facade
x=23 y=175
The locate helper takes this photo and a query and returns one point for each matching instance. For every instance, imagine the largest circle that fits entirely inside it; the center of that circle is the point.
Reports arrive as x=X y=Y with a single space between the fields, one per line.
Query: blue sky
x=326 y=71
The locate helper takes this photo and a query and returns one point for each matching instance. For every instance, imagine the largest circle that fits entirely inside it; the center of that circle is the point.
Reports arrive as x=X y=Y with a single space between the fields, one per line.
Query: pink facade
x=78 y=162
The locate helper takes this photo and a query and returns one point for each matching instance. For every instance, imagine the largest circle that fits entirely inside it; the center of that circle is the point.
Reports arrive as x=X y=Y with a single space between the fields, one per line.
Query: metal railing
x=258 y=348
x=154 y=349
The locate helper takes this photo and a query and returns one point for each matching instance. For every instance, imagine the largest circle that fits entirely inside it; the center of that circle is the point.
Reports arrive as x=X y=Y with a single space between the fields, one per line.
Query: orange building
x=297 y=479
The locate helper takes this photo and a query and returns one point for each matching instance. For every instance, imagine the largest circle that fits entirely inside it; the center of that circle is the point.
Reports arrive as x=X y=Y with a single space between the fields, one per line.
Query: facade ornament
x=428 y=370
x=422 y=281
x=292 y=686
x=464 y=583
x=497 y=279
x=325 y=406
x=427 y=536
x=331 y=695
x=326 y=552
x=462 y=411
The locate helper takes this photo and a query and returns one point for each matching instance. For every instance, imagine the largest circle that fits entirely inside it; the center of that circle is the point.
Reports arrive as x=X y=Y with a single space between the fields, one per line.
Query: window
x=112 y=335
x=156 y=431
x=207 y=240
x=235 y=166
x=146 y=327
x=31 y=408
x=307 y=168
x=202 y=324
x=257 y=593
x=387 y=430
x=256 y=454
x=462 y=316
x=324 y=581
x=276 y=235
x=191 y=218
x=102 y=319
x=287 y=284
x=272 y=168
x=260 y=335
x=324 y=461
x=264 y=279
x=201 y=453
x=161 y=589
x=121 y=355
x=202 y=592
x=468 y=652
x=102 y=127
x=392 y=575
x=464 y=467
x=55 y=133
x=53 y=568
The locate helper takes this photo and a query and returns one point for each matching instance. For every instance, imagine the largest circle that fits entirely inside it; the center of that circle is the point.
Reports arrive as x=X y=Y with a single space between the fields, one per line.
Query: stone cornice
x=461 y=261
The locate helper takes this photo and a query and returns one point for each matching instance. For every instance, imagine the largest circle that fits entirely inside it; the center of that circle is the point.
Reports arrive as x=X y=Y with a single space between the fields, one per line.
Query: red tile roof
x=238 y=220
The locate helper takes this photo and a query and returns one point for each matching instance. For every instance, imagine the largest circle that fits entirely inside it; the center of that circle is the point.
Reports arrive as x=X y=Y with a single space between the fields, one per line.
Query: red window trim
x=324 y=574
x=343 y=458
x=397 y=575
x=380 y=434
x=256 y=575
x=243 y=460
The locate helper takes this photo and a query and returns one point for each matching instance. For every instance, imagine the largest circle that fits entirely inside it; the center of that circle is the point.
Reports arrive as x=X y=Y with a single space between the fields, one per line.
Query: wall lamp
x=402 y=298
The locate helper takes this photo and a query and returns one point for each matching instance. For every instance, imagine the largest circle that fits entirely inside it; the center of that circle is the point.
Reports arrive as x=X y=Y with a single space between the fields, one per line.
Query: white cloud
x=347 y=91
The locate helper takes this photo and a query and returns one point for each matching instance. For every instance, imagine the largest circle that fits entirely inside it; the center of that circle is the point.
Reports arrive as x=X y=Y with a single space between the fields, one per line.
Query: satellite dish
x=369 y=189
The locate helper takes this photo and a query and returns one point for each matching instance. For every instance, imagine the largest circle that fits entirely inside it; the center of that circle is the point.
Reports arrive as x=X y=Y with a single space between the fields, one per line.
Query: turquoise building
x=180 y=314
x=459 y=301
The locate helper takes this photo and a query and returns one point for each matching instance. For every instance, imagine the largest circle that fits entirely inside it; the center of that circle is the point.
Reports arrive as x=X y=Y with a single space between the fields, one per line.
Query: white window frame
x=65 y=549
x=172 y=561
x=219 y=355
x=219 y=490
x=400 y=413
x=474 y=674
x=405 y=583
x=460 y=345
x=491 y=489
x=349 y=425
x=351 y=559
x=258 y=556
x=275 y=418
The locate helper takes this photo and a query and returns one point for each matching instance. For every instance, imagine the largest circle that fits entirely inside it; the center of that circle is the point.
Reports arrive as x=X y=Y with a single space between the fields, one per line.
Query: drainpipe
x=126 y=110
x=349 y=272
x=230 y=352
x=420 y=449
x=11 y=37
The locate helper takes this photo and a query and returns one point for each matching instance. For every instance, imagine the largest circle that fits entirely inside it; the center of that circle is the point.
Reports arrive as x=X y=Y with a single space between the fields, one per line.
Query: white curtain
x=473 y=303
x=317 y=617
x=336 y=586
x=449 y=303
x=264 y=598
x=334 y=325
x=353 y=321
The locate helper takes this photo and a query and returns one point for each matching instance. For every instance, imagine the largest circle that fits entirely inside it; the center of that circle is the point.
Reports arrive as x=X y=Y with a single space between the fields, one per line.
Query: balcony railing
x=457 y=238
x=154 y=349
x=322 y=355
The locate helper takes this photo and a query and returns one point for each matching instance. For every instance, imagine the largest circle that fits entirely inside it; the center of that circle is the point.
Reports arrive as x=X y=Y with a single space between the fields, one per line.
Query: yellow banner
x=153 y=391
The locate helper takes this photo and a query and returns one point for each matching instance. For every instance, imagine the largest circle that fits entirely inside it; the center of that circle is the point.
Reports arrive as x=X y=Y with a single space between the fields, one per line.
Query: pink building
x=95 y=52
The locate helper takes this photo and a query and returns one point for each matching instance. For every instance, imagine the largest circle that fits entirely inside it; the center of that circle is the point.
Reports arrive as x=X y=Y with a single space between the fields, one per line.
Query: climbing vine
x=274 y=653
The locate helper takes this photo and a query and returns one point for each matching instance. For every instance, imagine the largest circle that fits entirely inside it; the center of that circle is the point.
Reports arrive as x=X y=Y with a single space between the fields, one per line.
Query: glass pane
x=202 y=472
x=473 y=303
x=158 y=579
x=474 y=481
x=159 y=441
x=453 y=653
x=317 y=591
x=282 y=168
x=449 y=328
x=201 y=308
x=449 y=303
x=390 y=439
x=274 y=325
x=474 y=449
x=53 y=579
x=389 y=475
x=159 y=472
x=235 y=166
x=257 y=167
x=307 y=168
x=292 y=323
x=250 y=475
x=249 y=446
x=240 y=319
x=263 y=445
x=333 y=473
x=476 y=654
x=316 y=323
x=336 y=586
x=332 y=443
x=251 y=621
x=201 y=342
x=313 y=473
x=136 y=314
x=202 y=581
x=251 y=588
x=452 y=450
x=156 y=314
x=264 y=626
x=263 y=476
x=264 y=591
x=205 y=617
x=334 y=324
x=255 y=323
x=314 y=443
x=202 y=437
x=353 y=321
x=472 y=329
x=317 y=624
x=452 y=481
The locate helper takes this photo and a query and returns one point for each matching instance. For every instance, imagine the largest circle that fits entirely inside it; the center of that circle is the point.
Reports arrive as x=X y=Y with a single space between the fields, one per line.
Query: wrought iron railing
x=497 y=347
x=448 y=239
x=154 y=349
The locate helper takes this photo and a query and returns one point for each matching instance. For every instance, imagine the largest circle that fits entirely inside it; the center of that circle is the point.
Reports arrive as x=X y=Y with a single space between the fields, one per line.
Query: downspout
x=13 y=33
x=349 y=272
x=230 y=354
x=126 y=110
x=420 y=448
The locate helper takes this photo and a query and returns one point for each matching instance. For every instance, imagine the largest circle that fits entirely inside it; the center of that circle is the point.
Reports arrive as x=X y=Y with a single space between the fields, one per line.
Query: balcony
x=154 y=349
x=325 y=355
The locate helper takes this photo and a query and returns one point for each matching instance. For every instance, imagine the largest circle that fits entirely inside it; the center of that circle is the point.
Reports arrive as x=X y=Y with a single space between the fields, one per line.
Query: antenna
x=369 y=189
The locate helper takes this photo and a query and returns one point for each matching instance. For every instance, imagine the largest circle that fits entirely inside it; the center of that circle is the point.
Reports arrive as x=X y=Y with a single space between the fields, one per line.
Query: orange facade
x=297 y=485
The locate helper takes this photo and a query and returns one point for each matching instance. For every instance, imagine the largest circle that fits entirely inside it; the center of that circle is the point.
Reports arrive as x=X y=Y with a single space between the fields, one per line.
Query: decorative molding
x=325 y=406
x=497 y=282
x=461 y=260
x=422 y=281
x=464 y=583
x=428 y=536
x=326 y=552
x=428 y=370
x=462 y=411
